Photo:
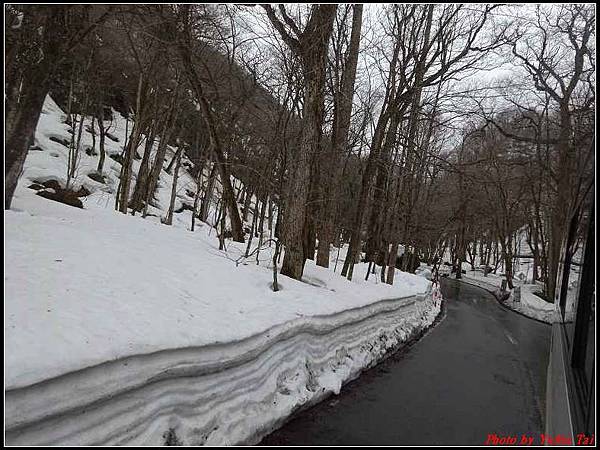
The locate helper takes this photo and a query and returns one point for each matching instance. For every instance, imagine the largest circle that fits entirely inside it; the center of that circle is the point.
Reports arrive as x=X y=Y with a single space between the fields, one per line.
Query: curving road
x=481 y=370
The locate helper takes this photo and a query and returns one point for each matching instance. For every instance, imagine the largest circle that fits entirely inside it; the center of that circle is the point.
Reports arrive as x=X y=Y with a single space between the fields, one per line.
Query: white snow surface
x=102 y=307
x=231 y=393
x=87 y=286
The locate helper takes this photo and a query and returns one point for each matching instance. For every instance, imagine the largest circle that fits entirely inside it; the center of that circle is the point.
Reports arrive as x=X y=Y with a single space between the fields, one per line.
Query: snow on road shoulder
x=530 y=305
x=220 y=394
x=87 y=286
x=173 y=337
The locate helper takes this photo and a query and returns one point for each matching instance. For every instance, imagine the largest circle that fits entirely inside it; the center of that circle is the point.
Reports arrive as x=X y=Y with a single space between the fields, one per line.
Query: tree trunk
x=246 y=207
x=141 y=183
x=261 y=224
x=325 y=236
x=131 y=148
x=392 y=263
x=252 y=227
x=507 y=259
x=208 y=194
x=102 y=136
x=169 y=219
x=309 y=234
x=313 y=52
x=198 y=192
x=216 y=145
x=27 y=113
x=342 y=116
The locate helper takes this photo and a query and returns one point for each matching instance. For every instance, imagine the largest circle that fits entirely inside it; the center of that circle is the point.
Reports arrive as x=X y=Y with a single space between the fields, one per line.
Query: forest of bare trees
x=434 y=132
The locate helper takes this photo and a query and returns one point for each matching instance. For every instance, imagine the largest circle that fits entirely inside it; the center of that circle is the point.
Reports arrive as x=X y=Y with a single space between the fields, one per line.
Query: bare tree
x=557 y=57
x=310 y=47
x=185 y=47
x=345 y=63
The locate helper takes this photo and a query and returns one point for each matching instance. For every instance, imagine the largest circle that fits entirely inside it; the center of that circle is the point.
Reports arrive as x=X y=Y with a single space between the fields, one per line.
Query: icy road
x=480 y=371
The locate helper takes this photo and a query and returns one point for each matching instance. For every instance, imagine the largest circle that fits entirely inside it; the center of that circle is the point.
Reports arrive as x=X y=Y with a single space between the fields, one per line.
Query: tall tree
x=310 y=47
x=185 y=41
x=331 y=170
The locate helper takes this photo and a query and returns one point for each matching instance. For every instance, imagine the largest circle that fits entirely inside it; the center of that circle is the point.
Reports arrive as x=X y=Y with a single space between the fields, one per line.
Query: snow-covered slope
x=84 y=287
x=119 y=329
x=48 y=159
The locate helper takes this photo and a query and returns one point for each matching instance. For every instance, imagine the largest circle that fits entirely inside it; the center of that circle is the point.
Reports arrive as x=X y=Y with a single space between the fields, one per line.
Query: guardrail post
x=503 y=286
x=517 y=294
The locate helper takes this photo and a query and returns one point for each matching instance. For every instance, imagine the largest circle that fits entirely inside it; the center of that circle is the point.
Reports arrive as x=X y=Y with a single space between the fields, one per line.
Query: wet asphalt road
x=481 y=370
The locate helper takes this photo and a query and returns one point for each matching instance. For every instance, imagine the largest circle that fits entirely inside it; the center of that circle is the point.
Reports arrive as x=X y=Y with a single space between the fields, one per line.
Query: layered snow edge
x=221 y=394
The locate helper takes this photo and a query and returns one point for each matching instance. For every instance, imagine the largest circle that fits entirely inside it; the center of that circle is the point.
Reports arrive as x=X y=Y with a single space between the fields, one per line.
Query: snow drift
x=231 y=393
x=166 y=339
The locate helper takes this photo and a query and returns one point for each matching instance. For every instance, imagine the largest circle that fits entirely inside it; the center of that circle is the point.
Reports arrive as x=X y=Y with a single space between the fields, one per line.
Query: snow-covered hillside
x=149 y=328
x=48 y=160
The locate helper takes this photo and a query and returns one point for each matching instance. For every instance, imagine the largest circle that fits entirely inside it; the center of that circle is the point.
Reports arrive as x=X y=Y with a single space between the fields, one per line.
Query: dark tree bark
x=342 y=116
x=141 y=182
x=131 y=147
x=310 y=46
x=102 y=140
x=169 y=218
x=198 y=191
x=208 y=194
x=35 y=88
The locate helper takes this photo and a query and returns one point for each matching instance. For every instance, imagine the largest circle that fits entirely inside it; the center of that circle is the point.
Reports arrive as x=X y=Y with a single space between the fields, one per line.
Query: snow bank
x=424 y=271
x=230 y=393
x=119 y=329
x=83 y=287
x=533 y=306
